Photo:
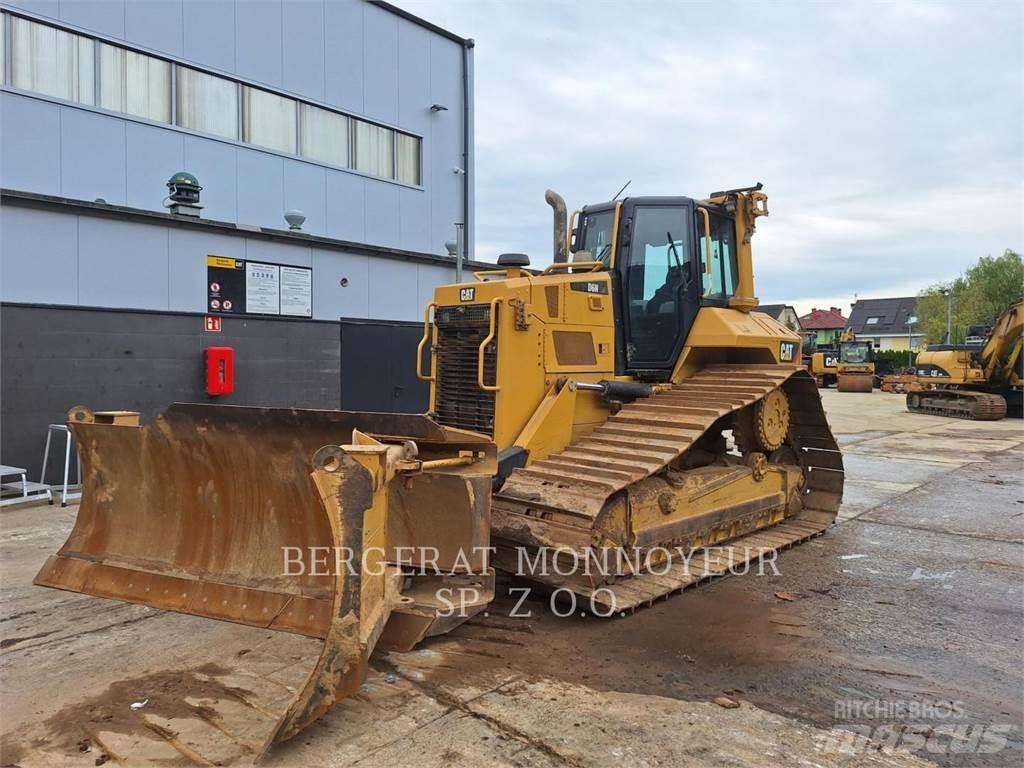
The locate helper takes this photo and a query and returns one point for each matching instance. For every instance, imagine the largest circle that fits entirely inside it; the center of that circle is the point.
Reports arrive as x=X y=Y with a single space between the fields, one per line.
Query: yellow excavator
x=628 y=400
x=972 y=381
x=855 y=368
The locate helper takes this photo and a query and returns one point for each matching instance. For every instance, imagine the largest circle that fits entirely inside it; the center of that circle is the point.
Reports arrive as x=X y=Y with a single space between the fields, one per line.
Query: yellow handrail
x=483 y=346
x=594 y=266
x=707 y=248
x=423 y=341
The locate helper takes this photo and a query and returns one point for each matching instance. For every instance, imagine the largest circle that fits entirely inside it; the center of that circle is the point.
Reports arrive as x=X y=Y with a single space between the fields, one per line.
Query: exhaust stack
x=557 y=204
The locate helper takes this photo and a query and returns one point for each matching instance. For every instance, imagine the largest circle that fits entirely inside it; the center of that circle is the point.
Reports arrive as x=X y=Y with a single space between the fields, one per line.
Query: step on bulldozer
x=627 y=399
x=982 y=381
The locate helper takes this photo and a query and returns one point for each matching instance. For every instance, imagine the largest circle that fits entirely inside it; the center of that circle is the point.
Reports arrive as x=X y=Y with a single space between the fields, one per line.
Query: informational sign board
x=236 y=286
x=297 y=291
x=262 y=288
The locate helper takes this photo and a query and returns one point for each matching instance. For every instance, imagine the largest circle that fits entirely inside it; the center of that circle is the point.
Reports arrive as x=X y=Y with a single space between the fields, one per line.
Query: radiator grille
x=459 y=401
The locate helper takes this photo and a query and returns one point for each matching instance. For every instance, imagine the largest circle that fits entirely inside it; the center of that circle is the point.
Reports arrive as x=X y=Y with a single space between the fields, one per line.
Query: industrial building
x=351 y=117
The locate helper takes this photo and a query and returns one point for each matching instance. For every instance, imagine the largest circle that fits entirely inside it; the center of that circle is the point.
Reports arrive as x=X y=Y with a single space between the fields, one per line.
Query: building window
x=268 y=120
x=409 y=159
x=135 y=84
x=374 y=150
x=207 y=103
x=52 y=62
x=64 y=65
x=872 y=321
x=324 y=135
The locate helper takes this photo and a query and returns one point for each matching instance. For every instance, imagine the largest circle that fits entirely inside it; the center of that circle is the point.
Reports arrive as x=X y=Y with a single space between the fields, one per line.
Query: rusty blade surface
x=196 y=512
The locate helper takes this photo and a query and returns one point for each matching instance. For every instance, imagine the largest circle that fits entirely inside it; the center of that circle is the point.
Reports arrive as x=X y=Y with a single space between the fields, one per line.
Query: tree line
x=980 y=295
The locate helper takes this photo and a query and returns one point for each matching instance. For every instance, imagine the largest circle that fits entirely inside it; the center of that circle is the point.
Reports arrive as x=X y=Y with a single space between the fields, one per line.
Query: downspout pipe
x=468 y=159
x=560 y=213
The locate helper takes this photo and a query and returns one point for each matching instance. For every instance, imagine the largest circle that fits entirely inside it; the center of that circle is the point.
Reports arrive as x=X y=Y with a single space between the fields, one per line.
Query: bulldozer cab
x=668 y=256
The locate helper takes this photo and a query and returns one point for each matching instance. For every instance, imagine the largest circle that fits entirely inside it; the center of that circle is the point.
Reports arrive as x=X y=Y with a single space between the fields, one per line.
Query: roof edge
x=464 y=41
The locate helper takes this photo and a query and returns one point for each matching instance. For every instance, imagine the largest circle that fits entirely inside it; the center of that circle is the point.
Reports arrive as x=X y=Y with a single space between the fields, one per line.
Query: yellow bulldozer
x=627 y=400
x=974 y=381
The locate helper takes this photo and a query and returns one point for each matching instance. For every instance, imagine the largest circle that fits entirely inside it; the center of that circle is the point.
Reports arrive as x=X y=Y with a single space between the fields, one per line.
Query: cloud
x=887 y=134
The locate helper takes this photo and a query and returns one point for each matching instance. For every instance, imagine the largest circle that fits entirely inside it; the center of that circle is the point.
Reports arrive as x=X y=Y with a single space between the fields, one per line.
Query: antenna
x=622 y=190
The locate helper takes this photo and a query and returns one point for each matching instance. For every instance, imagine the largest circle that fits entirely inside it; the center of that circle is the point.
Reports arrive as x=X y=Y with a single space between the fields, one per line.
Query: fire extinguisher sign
x=212 y=324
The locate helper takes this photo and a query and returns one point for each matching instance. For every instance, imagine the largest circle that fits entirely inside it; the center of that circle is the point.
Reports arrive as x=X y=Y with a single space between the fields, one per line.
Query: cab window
x=658 y=268
x=720 y=282
x=596 y=229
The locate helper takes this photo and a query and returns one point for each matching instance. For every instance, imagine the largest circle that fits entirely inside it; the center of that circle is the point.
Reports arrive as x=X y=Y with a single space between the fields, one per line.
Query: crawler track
x=958 y=404
x=557 y=500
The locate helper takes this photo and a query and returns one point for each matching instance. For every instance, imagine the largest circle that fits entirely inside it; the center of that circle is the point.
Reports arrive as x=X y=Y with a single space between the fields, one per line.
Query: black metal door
x=378 y=366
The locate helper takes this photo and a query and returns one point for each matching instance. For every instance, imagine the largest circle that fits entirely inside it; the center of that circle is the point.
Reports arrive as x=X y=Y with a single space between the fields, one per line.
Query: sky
x=889 y=135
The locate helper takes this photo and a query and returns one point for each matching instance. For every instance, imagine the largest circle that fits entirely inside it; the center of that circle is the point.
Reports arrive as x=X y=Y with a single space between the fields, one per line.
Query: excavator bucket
x=280 y=519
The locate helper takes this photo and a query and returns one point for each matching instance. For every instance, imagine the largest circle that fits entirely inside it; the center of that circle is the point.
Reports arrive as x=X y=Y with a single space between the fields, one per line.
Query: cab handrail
x=707 y=248
x=483 y=346
x=423 y=342
x=585 y=266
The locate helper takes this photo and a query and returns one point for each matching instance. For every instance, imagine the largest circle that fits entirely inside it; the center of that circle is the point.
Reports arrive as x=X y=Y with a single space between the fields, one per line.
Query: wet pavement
x=894 y=639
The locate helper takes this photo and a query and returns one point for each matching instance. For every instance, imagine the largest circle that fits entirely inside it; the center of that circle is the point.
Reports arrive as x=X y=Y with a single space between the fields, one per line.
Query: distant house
x=889 y=323
x=784 y=313
x=824 y=325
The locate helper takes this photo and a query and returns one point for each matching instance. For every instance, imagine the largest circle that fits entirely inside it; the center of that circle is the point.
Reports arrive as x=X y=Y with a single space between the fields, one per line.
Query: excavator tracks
x=958 y=404
x=557 y=501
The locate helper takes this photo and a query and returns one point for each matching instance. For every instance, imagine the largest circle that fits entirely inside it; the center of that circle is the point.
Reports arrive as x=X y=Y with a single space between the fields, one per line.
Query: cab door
x=659 y=292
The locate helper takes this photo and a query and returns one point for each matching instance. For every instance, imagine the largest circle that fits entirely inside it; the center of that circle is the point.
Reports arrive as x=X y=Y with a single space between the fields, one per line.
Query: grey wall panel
x=260 y=188
x=343 y=54
x=382 y=212
x=53 y=359
x=394 y=290
x=380 y=64
x=49 y=8
x=429 y=277
x=208 y=35
x=38 y=256
x=331 y=300
x=305 y=188
x=187 y=265
x=216 y=166
x=30 y=146
x=127 y=270
x=279 y=253
x=155 y=24
x=103 y=16
x=445 y=138
x=153 y=155
x=302 y=30
x=93 y=153
x=414 y=220
x=346 y=206
x=414 y=77
x=258 y=40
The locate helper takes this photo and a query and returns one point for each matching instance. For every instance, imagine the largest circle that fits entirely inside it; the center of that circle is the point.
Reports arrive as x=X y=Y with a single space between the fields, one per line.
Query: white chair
x=64 y=495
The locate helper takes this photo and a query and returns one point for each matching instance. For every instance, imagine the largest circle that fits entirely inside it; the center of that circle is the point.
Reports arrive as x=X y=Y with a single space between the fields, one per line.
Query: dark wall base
x=54 y=358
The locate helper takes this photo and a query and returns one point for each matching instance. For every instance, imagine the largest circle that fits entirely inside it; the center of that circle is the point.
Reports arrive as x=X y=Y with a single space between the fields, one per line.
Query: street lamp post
x=910 y=345
x=948 y=293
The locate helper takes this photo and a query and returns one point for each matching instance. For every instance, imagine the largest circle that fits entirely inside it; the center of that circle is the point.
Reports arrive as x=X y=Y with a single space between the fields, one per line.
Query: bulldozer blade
x=225 y=512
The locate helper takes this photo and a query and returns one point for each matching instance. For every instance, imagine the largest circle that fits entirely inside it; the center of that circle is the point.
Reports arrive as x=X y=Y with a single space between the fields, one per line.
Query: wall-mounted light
x=438 y=108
